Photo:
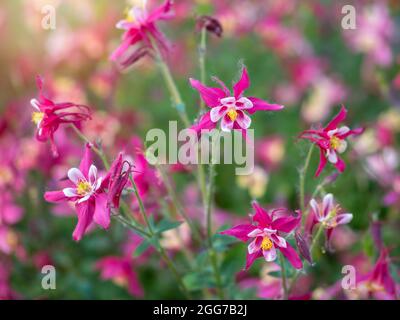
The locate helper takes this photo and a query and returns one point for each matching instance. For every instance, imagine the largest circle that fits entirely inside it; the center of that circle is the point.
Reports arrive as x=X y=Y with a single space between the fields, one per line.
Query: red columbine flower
x=140 y=29
x=331 y=141
x=231 y=109
x=265 y=235
x=328 y=214
x=48 y=115
x=87 y=191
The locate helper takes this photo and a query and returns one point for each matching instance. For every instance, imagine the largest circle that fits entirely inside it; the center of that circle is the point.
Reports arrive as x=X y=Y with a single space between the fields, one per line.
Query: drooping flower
x=328 y=214
x=88 y=191
x=265 y=234
x=231 y=109
x=140 y=32
x=331 y=141
x=48 y=115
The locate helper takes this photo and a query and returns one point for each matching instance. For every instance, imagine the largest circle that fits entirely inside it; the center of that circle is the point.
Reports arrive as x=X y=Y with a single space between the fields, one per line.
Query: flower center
x=83 y=187
x=335 y=142
x=266 y=244
x=232 y=114
x=37 y=116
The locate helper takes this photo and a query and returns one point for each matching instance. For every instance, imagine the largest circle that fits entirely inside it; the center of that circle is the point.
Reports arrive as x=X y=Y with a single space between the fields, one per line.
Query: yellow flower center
x=335 y=142
x=37 y=116
x=266 y=244
x=232 y=114
x=83 y=187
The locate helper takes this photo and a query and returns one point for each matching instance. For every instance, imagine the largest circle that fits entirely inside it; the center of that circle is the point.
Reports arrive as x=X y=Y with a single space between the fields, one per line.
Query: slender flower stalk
x=202 y=61
x=283 y=275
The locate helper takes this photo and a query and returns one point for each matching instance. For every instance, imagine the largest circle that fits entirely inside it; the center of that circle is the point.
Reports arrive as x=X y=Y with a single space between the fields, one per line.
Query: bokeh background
x=297 y=54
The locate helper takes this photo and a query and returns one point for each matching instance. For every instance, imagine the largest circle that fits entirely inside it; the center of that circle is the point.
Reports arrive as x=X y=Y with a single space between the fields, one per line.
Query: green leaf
x=199 y=280
x=166 y=224
x=142 y=248
x=221 y=242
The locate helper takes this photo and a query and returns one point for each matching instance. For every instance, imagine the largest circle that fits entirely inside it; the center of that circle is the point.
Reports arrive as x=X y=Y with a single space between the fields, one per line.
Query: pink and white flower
x=232 y=110
x=331 y=141
x=265 y=234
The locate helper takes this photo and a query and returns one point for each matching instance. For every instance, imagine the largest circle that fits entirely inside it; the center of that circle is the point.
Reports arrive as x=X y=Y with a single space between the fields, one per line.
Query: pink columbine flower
x=265 y=235
x=140 y=31
x=331 y=141
x=87 y=191
x=48 y=115
x=328 y=214
x=231 y=109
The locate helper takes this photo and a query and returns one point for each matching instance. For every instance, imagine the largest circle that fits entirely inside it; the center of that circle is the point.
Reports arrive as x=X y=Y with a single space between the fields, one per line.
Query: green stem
x=303 y=173
x=283 y=275
x=171 y=85
x=177 y=204
x=312 y=247
x=208 y=213
x=202 y=60
x=98 y=151
x=159 y=248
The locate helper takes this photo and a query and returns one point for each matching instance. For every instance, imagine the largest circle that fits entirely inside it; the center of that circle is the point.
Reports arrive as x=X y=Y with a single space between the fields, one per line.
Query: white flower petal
x=85 y=198
x=254 y=246
x=254 y=233
x=92 y=174
x=332 y=156
x=343 y=130
x=35 y=104
x=327 y=204
x=75 y=175
x=228 y=100
x=243 y=120
x=226 y=124
x=70 y=192
x=217 y=113
x=269 y=255
x=342 y=146
x=247 y=104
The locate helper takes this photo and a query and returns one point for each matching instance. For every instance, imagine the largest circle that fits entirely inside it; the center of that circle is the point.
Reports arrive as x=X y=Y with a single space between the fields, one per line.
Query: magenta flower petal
x=243 y=84
x=335 y=121
x=250 y=258
x=286 y=224
x=55 y=196
x=240 y=232
x=102 y=212
x=322 y=163
x=260 y=216
x=85 y=212
x=340 y=165
x=210 y=95
x=261 y=105
x=86 y=161
x=292 y=256
x=205 y=123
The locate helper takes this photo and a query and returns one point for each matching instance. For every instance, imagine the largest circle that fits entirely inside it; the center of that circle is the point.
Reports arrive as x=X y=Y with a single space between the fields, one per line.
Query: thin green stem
x=312 y=247
x=171 y=85
x=303 y=173
x=177 y=204
x=202 y=60
x=283 y=275
x=98 y=151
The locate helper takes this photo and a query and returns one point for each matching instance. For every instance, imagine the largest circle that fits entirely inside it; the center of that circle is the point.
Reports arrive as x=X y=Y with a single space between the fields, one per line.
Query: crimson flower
x=231 y=109
x=88 y=191
x=48 y=115
x=265 y=235
x=140 y=30
x=331 y=141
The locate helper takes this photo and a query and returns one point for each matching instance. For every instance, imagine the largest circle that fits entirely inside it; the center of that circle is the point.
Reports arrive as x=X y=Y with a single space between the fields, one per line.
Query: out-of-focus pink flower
x=121 y=271
x=265 y=235
x=48 y=115
x=87 y=191
x=140 y=31
x=374 y=32
x=270 y=151
x=331 y=141
x=379 y=282
x=328 y=214
x=230 y=109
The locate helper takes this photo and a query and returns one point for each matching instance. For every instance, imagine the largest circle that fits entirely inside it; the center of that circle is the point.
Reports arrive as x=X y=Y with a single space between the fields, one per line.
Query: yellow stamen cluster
x=335 y=142
x=232 y=114
x=37 y=116
x=83 y=187
x=266 y=244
